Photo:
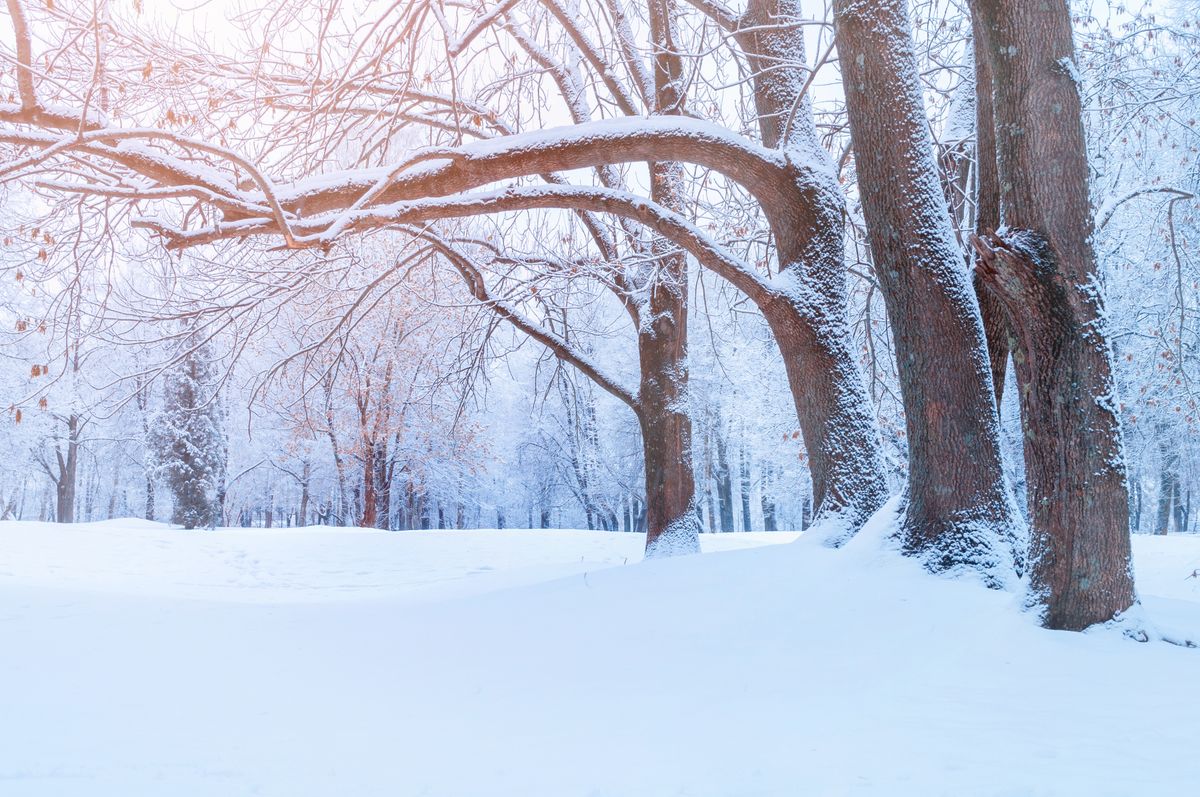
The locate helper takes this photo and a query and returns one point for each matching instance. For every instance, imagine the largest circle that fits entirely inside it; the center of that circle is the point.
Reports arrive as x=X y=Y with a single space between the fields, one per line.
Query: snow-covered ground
x=141 y=660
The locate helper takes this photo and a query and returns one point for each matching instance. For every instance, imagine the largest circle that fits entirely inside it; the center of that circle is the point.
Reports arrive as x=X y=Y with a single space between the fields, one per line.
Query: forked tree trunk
x=958 y=511
x=1044 y=268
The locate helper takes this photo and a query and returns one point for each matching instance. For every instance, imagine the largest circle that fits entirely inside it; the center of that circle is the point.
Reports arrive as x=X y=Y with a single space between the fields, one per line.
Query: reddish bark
x=958 y=509
x=987 y=211
x=807 y=311
x=1044 y=269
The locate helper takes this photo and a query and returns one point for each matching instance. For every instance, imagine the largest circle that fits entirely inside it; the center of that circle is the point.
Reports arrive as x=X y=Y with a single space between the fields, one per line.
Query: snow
x=138 y=659
x=307 y=565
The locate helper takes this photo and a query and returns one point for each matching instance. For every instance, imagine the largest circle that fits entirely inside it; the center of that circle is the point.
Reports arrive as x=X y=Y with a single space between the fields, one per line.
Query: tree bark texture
x=808 y=311
x=987 y=211
x=1043 y=266
x=662 y=336
x=959 y=513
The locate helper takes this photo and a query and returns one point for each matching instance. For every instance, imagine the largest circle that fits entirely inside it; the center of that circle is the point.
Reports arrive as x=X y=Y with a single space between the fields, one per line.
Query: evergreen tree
x=190 y=439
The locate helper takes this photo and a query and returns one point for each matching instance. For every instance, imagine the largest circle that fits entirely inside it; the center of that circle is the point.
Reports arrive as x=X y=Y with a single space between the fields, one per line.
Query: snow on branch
x=317 y=231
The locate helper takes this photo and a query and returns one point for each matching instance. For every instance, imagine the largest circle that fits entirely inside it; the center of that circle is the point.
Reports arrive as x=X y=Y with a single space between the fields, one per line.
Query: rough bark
x=808 y=310
x=672 y=526
x=958 y=512
x=1044 y=268
x=987 y=211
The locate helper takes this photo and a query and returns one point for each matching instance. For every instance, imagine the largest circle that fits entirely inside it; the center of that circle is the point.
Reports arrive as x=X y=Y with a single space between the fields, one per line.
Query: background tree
x=190 y=438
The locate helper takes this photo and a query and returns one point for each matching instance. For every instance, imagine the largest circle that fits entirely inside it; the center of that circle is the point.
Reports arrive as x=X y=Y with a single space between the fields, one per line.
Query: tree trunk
x=305 y=478
x=662 y=335
x=1044 y=268
x=987 y=212
x=724 y=483
x=111 y=512
x=68 y=474
x=1166 y=494
x=383 y=486
x=1136 y=505
x=768 y=500
x=150 y=499
x=426 y=522
x=710 y=474
x=959 y=513
x=370 y=505
x=744 y=485
x=809 y=314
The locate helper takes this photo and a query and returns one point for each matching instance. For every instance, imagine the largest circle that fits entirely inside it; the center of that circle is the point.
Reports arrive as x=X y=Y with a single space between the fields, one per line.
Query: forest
x=668 y=267
x=599 y=398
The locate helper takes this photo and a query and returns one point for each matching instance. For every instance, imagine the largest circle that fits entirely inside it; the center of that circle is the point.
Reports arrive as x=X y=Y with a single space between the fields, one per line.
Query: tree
x=190 y=438
x=1043 y=268
x=959 y=512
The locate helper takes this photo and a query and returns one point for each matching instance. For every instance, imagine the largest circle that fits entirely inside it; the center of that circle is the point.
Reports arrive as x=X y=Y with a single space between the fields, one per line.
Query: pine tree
x=190 y=438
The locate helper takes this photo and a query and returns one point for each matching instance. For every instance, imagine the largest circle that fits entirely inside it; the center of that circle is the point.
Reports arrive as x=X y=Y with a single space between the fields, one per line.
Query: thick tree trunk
x=672 y=526
x=1044 y=268
x=808 y=315
x=959 y=513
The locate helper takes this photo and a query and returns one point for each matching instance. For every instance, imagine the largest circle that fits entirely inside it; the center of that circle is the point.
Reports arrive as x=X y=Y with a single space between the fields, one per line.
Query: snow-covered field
x=140 y=660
